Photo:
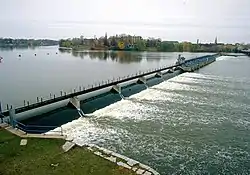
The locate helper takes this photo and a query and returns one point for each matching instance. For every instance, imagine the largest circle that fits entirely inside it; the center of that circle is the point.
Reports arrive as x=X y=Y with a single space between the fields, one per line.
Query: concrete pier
x=158 y=74
x=116 y=88
x=75 y=102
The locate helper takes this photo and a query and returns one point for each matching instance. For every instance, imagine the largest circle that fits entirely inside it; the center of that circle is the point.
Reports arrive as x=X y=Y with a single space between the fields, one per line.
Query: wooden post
x=24 y=103
x=61 y=93
x=37 y=99
x=28 y=103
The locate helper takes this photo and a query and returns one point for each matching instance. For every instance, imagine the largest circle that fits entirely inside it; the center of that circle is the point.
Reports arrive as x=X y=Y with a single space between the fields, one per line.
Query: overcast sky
x=182 y=20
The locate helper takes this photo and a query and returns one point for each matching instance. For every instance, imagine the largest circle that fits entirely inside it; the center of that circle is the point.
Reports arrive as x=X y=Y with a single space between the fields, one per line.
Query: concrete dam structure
x=46 y=115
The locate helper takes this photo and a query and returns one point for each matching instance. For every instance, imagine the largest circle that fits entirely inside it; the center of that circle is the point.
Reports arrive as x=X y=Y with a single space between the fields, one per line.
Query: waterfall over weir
x=122 y=97
x=80 y=112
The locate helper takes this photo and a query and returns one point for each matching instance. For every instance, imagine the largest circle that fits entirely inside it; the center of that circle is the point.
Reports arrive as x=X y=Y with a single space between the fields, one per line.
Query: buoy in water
x=35 y=54
x=19 y=55
x=47 y=53
x=56 y=53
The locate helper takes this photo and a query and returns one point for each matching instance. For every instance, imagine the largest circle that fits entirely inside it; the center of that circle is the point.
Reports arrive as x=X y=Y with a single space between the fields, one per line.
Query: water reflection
x=117 y=56
x=11 y=48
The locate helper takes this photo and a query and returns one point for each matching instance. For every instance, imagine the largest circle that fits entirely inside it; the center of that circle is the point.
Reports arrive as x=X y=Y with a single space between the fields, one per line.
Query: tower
x=105 y=42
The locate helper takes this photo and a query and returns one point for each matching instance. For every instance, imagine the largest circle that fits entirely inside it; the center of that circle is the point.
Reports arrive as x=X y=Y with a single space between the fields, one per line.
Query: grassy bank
x=45 y=156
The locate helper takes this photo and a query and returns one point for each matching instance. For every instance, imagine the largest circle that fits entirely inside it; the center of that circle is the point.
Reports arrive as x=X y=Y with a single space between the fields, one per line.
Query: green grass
x=37 y=156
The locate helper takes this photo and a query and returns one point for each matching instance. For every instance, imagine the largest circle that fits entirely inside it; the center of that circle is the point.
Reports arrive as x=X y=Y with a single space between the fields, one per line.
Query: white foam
x=139 y=107
x=86 y=131
x=223 y=58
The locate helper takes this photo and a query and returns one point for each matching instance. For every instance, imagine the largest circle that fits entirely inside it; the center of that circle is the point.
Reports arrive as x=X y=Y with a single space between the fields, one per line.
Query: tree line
x=4 y=42
x=150 y=44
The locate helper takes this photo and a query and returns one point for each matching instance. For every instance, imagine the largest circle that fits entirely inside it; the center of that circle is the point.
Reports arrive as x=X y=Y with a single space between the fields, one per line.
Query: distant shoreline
x=13 y=43
x=102 y=50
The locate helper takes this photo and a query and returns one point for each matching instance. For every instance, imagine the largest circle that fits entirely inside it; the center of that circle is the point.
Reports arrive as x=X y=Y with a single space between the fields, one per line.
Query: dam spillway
x=48 y=114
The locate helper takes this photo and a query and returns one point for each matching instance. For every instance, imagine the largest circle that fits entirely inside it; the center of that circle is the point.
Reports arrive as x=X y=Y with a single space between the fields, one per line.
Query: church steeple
x=106 y=43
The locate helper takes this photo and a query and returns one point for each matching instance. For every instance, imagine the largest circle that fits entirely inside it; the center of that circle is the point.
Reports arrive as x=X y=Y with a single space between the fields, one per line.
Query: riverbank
x=45 y=156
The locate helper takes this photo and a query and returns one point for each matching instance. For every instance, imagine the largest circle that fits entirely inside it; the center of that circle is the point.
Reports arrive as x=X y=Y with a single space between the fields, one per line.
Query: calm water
x=29 y=76
x=195 y=123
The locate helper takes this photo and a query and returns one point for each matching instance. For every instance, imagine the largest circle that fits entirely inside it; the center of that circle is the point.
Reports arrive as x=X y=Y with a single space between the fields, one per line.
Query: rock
x=106 y=151
x=67 y=146
x=140 y=171
x=97 y=153
x=69 y=138
x=123 y=165
x=79 y=142
x=101 y=155
x=119 y=155
x=54 y=165
x=148 y=169
x=23 y=142
x=134 y=169
x=145 y=166
x=89 y=148
x=154 y=172
x=132 y=162
x=91 y=145
x=112 y=159
x=147 y=173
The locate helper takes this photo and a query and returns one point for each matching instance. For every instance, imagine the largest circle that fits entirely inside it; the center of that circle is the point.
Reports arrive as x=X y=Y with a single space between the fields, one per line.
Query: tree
x=166 y=46
x=113 y=42
x=140 y=45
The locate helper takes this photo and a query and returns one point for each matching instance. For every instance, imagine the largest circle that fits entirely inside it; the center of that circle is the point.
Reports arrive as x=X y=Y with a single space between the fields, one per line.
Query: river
x=195 y=123
x=51 y=71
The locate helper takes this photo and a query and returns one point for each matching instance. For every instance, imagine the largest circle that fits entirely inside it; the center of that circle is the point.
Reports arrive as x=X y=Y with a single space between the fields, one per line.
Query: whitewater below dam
x=195 y=123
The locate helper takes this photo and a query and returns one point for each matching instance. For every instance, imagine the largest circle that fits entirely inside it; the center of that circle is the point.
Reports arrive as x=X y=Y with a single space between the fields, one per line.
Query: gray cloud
x=168 y=19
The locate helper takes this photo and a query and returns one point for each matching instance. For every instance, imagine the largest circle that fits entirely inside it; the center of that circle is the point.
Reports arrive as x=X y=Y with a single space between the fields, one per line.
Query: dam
x=45 y=115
